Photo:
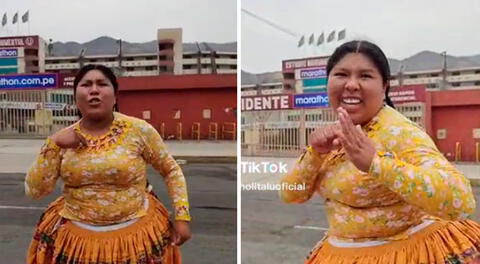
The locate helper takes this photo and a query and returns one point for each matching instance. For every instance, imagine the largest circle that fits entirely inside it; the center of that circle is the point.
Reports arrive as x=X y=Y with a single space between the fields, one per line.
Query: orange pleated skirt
x=446 y=242
x=57 y=240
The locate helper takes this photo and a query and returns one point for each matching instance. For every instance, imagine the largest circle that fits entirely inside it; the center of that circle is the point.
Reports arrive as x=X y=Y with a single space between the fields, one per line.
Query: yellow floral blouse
x=409 y=180
x=105 y=181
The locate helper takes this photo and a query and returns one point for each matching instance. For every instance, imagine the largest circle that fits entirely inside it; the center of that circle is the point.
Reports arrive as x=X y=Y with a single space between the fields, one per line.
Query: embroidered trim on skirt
x=441 y=242
x=146 y=240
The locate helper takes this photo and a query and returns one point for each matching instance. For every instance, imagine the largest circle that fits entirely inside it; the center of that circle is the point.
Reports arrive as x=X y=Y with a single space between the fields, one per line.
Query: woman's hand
x=68 y=138
x=324 y=139
x=358 y=147
x=180 y=232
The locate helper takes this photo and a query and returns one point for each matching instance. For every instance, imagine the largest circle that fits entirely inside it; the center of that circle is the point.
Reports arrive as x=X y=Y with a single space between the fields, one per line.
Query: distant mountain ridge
x=422 y=61
x=107 y=45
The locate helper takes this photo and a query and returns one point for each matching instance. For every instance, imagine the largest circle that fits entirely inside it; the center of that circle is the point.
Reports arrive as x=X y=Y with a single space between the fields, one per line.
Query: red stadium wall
x=459 y=113
x=191 y=94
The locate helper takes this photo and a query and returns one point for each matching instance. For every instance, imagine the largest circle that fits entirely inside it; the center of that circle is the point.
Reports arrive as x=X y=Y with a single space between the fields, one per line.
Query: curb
x=207 y=159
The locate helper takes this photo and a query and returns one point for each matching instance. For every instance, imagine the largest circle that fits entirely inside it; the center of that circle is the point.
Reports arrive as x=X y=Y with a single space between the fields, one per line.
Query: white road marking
x=311 y=227
x=22 y=207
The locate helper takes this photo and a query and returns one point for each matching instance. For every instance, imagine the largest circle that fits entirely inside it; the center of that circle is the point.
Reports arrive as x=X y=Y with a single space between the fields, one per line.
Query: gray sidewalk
x=470 y=170
x=16 y=155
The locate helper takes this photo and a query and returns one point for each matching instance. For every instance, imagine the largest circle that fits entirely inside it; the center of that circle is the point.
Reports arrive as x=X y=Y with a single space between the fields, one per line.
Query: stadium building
x=278 y=118
x=36 y=95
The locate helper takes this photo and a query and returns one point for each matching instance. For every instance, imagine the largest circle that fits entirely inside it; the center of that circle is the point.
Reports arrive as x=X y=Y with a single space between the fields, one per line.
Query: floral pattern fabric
x=105 y=181
x=408 y=180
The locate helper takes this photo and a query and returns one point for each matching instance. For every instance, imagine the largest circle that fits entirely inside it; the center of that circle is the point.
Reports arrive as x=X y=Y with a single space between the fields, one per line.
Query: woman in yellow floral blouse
x=105 y=214
x=391 y=197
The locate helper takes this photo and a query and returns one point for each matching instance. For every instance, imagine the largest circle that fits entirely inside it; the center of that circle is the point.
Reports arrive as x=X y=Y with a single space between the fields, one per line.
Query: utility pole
x=120 y=57
x=81 y=58
x=444 y=72
x=199 y=59
x=50 y=47
x=400 y=75
x=213 y=55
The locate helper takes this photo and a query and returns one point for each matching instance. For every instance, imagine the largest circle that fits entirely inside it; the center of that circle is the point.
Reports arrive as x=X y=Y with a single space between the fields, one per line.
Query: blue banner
x=47 y=80
x=320 y=89
x=314 y=82
x=310 y=100
x=8 y=53
x=8 y=70
x=314 y=73
x=8 y=61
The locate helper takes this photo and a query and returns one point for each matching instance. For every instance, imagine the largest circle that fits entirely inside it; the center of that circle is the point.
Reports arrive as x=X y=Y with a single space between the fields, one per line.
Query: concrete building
x=306 y=75
x=172 y=57
x=22 y=54
x=186 y=91
x=456 y=78
x=434 y=99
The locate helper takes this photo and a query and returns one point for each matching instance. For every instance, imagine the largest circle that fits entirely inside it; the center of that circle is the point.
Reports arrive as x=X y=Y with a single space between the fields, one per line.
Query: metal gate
x=282 y=132
x=286 y=132
x=35 y=113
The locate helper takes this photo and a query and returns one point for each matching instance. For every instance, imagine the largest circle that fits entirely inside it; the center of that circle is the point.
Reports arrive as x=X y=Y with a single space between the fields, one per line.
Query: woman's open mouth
x=351 y=100
x=94 y=102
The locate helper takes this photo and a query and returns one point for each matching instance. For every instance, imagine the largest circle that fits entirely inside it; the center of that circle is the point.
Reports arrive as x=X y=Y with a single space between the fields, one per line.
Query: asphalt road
x=212 y=193
x=274 y=232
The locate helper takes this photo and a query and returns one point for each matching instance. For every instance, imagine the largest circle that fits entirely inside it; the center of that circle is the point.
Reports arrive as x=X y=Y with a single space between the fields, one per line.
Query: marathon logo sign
x=35 y=81
x=267 y=102
x=29 y=42
x=314 y=73
x=8 y=53
x=310 y=100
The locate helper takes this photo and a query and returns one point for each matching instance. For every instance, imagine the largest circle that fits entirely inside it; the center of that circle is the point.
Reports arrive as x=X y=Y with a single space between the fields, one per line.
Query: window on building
x=434 y=75
x=455 y=84
x=233 y=67
x=477 y=83
x=177 y=114
x=165 y=46
x=413 y=76
x=293 y=117
x=477 y=71
x=207 y=113
x=146 y=114
x=150 y=68
x=313 y=117
x=290 y=76
x=431 y=86
x=187 y=66
x=455 y=73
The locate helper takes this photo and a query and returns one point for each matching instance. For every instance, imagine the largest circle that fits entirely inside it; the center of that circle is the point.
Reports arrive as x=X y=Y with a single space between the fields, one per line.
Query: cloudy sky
x=401 y=28
x=131 y=20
